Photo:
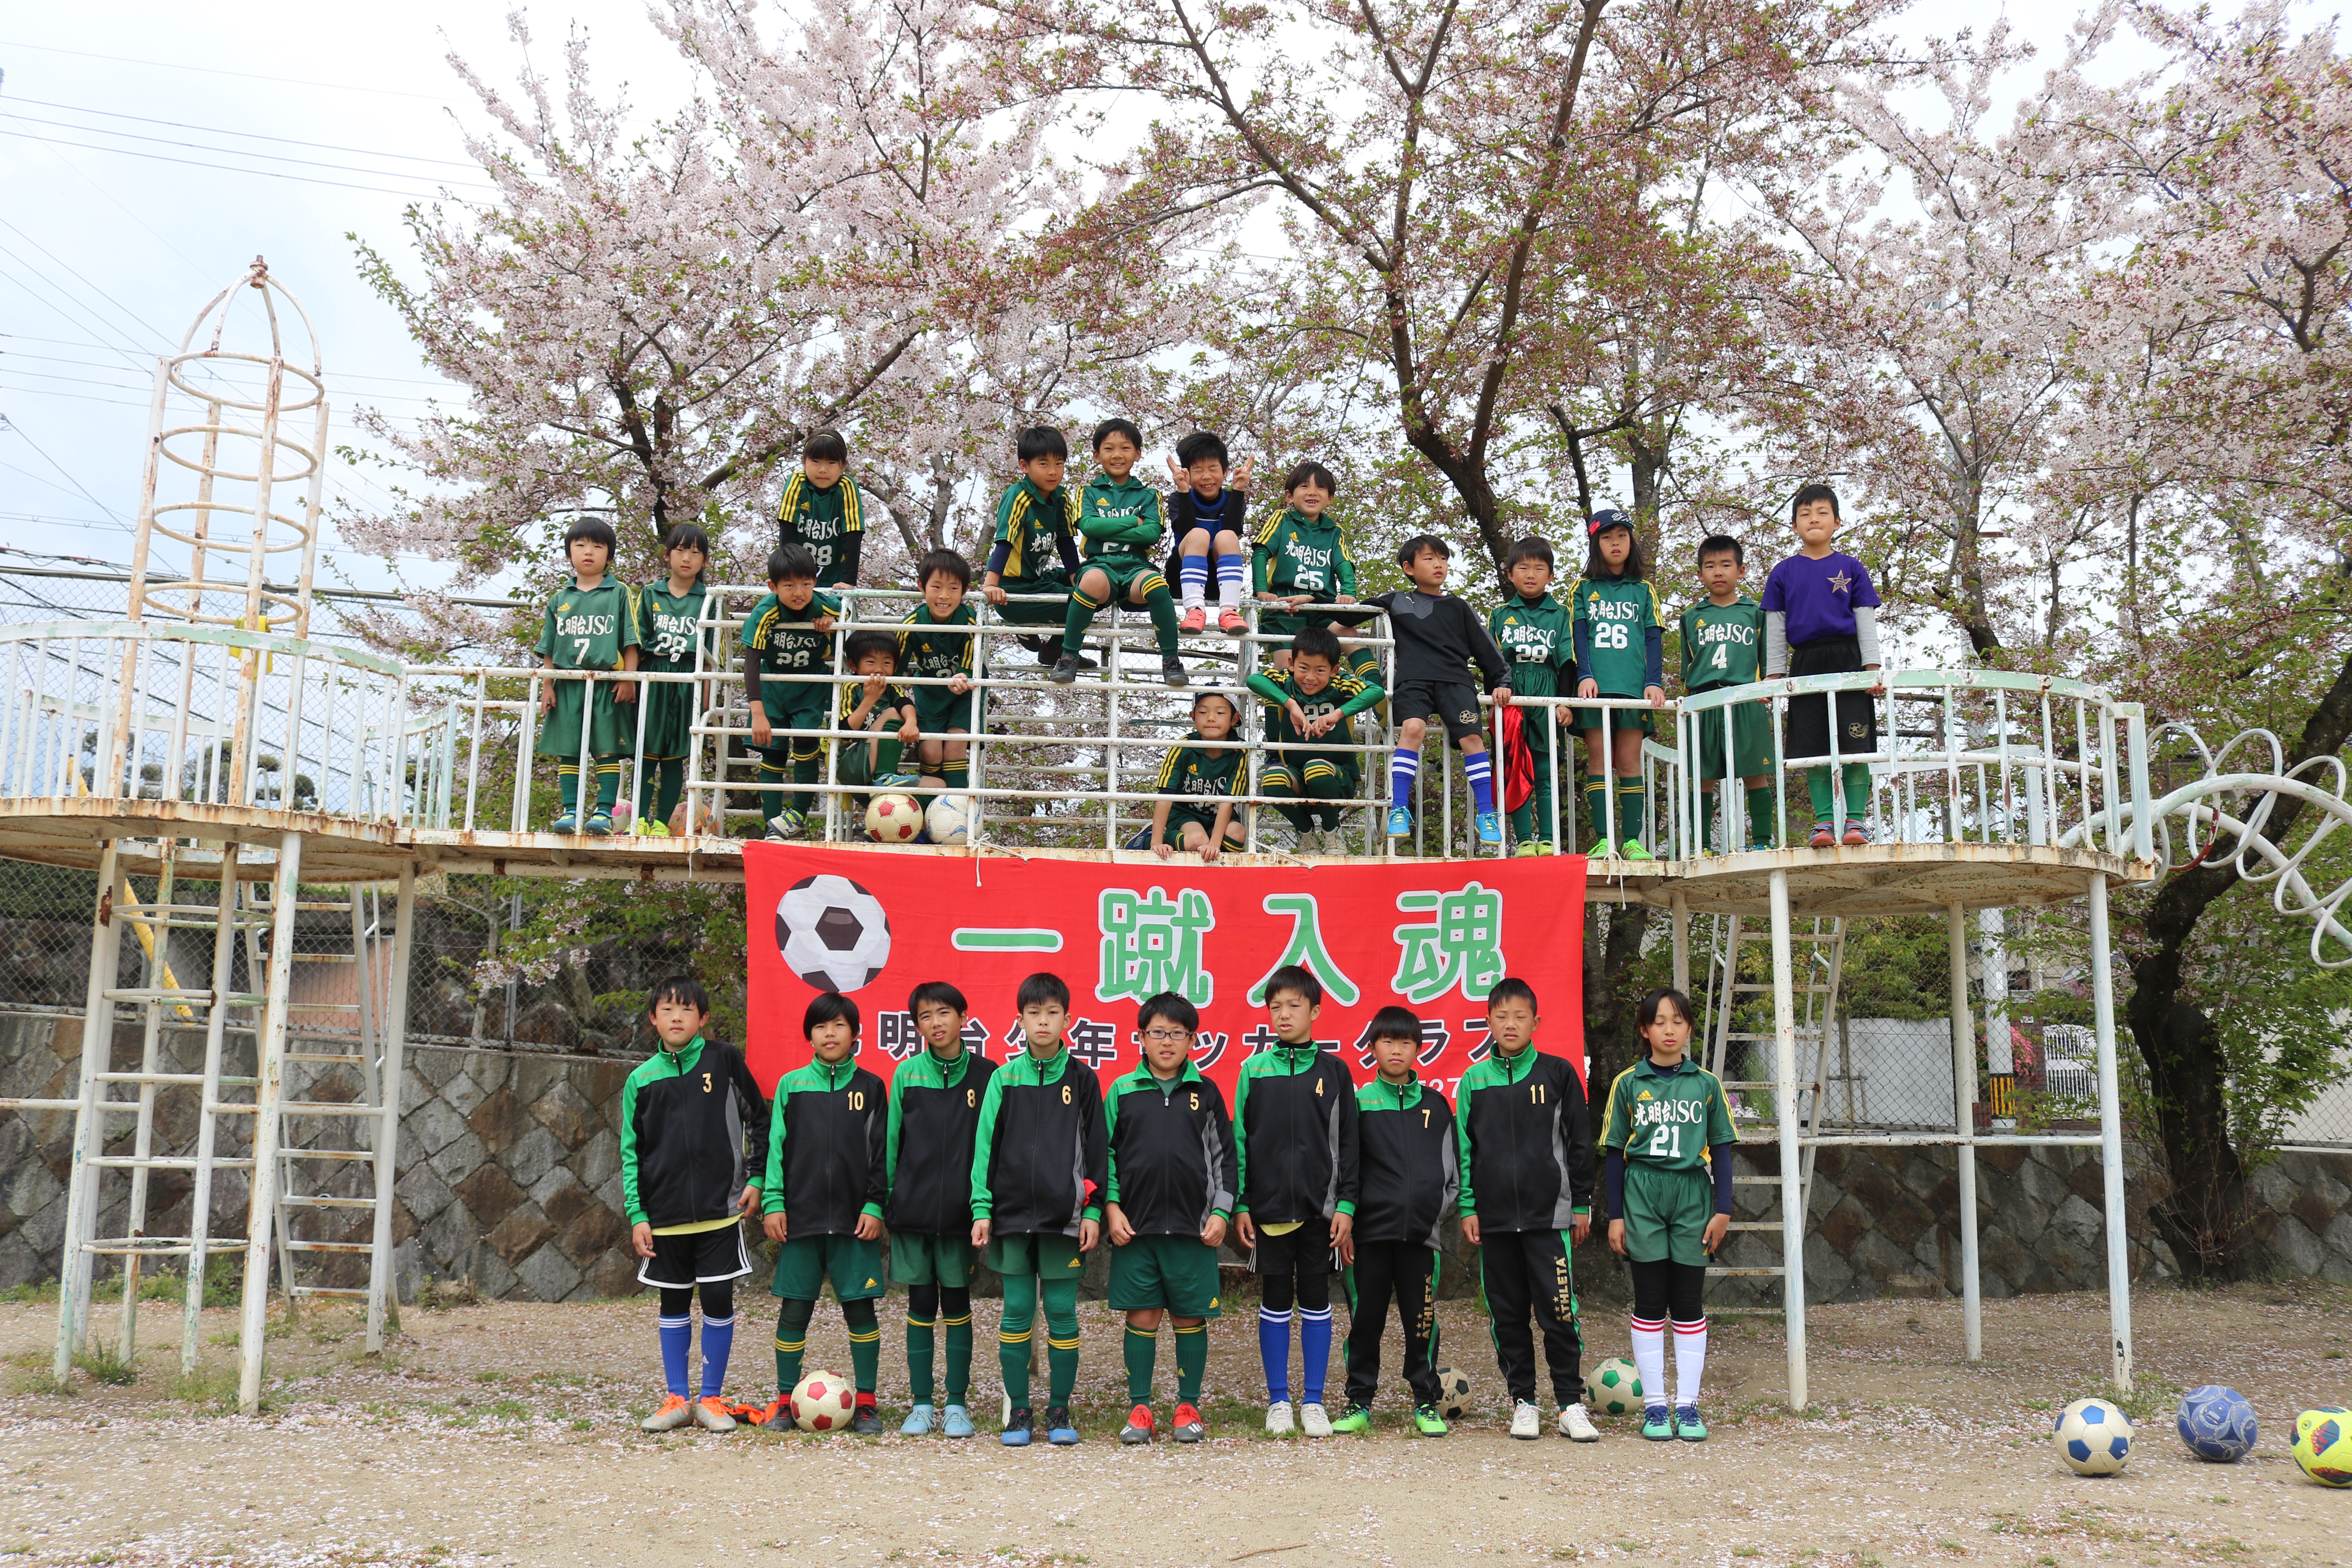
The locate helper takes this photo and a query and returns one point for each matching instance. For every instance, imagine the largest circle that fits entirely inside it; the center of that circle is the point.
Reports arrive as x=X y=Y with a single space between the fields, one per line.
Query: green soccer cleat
x=1428 y=1422
x=1357 y=1420
x=1657 y=1424
x=1633 y=851
x=1529 y=848
x=1687 y=1426
x=567 y=822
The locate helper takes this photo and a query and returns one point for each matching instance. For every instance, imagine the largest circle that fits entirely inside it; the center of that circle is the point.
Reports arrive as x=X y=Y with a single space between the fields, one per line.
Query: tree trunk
x=1610 y=951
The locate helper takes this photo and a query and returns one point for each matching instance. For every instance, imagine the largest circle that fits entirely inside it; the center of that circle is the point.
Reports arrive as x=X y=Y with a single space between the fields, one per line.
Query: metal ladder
x=1820 y=959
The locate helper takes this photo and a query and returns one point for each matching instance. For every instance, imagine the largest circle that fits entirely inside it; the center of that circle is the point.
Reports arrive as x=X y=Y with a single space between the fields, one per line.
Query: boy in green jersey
x=1312 y=700
x=669 y=615
x=936 y=647
x=1722 y=645
x=789 y=633
x=1035 y=550
x=590 y=624
x=1299 y=558
x=1118 y=515
x=828 y=1178
x=934 y=1125
x=1203 y=771
x=1667 y=1138
x=874 y=704
x=1537 y=636
x=1172 y=1186
x=1037 y=1179
x=1621 y=651
x=822 y=511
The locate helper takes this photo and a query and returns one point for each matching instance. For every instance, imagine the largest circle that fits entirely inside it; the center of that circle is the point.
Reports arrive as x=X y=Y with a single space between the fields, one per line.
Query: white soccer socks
x=1690 y=1360
x=1650 y=1359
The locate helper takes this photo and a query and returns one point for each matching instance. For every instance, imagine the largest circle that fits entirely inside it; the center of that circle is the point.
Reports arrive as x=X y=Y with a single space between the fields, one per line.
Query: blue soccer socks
x=1233 y=579
x=718 y=1344
x=1313 y=1351
x=677 y=1344
x=1479 y=768
x=1274 y=1349
x=1404 y=766
x=1193 y=578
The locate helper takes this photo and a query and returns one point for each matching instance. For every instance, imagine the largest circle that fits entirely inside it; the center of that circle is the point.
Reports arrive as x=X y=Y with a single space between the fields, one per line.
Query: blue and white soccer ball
x=948 y=819
x=2216 y=1424
x=832 y=933
x=2094 y=1438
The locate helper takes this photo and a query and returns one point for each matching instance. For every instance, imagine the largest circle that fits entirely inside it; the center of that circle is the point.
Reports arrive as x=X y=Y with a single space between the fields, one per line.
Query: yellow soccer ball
x=2324 y=1449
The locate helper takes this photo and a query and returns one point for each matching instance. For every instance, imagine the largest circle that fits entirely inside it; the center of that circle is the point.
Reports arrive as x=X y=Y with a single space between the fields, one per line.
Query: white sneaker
x=1576 y=1426
x=1527 y=1421
x=1277 y=1419
x=1313 y=1422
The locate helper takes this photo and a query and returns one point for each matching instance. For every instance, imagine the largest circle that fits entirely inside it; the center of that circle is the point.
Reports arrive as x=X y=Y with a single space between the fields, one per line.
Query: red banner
x=1430 y=935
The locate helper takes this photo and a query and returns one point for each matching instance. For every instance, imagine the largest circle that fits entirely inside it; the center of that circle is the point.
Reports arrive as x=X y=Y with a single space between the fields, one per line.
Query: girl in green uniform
x=670 y=617
x=591 y=624
x=1621 y=651
x=1666 y=1142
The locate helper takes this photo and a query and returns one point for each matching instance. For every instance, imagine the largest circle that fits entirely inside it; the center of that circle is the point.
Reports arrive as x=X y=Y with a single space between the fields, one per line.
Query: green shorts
x=938 y=709
x=1178 y=815
x=1053 y=580
x=1286 y=624
x=796 y=705
x=1751 y=741
x=1052 y=1256
x=611 y=727
x=804 y=1263
x=1666 y=1214
x=948 y=1261
x=1177 y=1272
x=669 y=717
x=1615 y=719
x=1126 y=573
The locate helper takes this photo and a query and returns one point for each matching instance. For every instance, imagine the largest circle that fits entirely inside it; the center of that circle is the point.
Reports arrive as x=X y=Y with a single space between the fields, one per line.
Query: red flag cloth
x=1519 y=760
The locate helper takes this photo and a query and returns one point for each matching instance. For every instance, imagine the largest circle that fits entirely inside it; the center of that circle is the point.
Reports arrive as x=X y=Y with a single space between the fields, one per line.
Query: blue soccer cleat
x=1017 y=1429
x=568 y=823
x=917 y=1423
x=600 y=823
x=1490 y=828
x=956 y=1422
x=1400 y=823
x=1060 y=1430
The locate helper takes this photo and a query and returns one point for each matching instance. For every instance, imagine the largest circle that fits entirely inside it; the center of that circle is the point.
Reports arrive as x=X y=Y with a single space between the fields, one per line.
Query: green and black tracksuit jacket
x=694 y=1133
x=934 y=1121
x=826 y=1139
x=1526 y=1143
x=1171 y=1160
x=1411 y=1171
x=1039 y=1160
x=1294 y=1108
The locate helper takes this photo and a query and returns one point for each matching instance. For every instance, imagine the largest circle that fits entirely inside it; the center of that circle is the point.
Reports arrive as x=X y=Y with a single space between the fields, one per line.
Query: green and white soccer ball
x=1617 y=1388
x=1453 y=1394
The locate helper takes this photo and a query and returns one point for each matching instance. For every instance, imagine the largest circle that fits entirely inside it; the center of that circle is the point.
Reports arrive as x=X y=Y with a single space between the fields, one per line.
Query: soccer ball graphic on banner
x=2216 y=1424
x=2094 y=1438
x=1617 y=1387
x=1452 y=1393
x=950 y=819
x=893 y=820
x=823 y=1402
x=832 y=933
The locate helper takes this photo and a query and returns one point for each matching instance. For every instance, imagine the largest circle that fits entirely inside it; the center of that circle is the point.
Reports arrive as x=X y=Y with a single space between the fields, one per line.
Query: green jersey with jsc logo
x=1539 y=640
x=1121 y=517
x=669 y=623
x=1621 y=614
x=1722 y=645
x=1667 y=1117
x=1189 y=769
x=787 y=639
x=587 y=628
x=1294 y=554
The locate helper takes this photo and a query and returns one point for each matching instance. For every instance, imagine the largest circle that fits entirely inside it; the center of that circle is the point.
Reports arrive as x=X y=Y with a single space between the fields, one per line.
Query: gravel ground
x=504 y=1433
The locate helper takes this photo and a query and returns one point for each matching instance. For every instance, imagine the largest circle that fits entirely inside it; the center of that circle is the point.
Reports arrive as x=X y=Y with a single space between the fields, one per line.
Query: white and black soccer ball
x=2094 y=1438
x=832 y=933
x=948 y=818
x=1452 y=1393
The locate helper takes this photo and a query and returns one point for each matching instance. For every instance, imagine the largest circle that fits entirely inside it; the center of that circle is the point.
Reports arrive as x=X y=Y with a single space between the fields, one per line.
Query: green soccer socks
x=920 y=1334
x=865 y=1344
x=664 y=780
x=1013 y=1333
x=886 y=753
x=1857 y=791
x=1759 y=816
x=1061 y=1339
x=1596 y=804
x=772 y=791
x=1083 y=611
x=567 y=785
x=608 y=782
x=1191 y=1361
x=1629 y=809
x=792 y=1342
x=805 y=769
x=957 y=1322
x=955 y=774
x=1163 y=610
x=1143 y=1352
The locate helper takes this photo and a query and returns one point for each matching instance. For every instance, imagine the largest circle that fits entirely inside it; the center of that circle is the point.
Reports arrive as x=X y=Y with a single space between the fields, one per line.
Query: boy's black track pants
x=1386 y=1270
x=1527 y=1271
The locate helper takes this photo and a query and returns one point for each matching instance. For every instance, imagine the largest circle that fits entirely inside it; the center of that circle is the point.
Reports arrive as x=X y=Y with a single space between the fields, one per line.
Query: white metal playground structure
x=208 y=747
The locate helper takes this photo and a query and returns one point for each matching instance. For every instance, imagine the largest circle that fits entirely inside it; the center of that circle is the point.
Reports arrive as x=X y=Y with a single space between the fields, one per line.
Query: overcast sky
x=109 y=247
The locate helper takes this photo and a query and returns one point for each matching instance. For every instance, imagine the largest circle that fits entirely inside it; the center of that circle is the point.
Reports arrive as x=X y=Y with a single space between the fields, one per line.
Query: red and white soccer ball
x=893 y=820
x=824 y=1402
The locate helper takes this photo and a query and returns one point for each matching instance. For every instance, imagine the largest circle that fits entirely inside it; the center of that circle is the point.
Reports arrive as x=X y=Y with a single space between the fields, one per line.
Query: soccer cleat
x=899 y=781
x=1576 y=1426
x=1354 y=1421
x=1400 y=822
x=1489 y=827
x=675 y=1412
x=1016 y=1429
x=1635 y=851
x=1138 y=1425
x=776 y=1417
x=1277 y=1419
x=1824 y=835
x=917 y=1423
x=1687 y=1426
x=1312 y=1421
x=787 y=823
x=1060 y=1430
x=1761 y=848
x=1172 y=671
x=1527 y=1421
x=570 y=823
x=1856 y=833
x=956 y=1422
x=710 y=1415
x=600 y=823
x=1428 y=1422
x=651 y=827
x=1065 y=670
x=868 y=1422
x=1185 y=1424
x=1529 y=848
x=1657 y=1425
x=1548 y=847
x=1196 y=619
x=1230 y=622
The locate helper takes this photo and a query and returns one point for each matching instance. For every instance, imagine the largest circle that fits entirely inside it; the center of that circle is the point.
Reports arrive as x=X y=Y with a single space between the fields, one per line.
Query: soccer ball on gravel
x=2310 y=1419
x=948 y=818
x=2094 y=1438
x=832 y=933
x=824 y=1402
x=893 y=820
x=2324 y=1449
x=2216 y=1424
x=1616 y=1387
x=1452 y=1393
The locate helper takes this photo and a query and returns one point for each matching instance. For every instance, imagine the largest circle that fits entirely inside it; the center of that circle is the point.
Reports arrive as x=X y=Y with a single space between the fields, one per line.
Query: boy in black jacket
x=934 y=1121
x=687 y=1114
x=1410 y=1176
x=1438 y=639
x=1038 y=1170
x=827 y=1176
x=1527 y=1190
x=1295 y=1111
x=1171 y=1190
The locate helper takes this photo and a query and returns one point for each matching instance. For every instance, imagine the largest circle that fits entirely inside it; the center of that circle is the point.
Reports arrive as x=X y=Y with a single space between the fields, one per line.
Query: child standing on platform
x=1621 y=651
x=789 y=633
x=1722 y=645
x=936 y=647
x=1038 y=1172
x=1438 y=639
x=590 y=625
x=1173 y=1185
x=934 y=1125
x=1821 y=617
x=827 y=1177
x=1668 y=1139
x=693 y=1142
x=669 y=618
x=1537 y=633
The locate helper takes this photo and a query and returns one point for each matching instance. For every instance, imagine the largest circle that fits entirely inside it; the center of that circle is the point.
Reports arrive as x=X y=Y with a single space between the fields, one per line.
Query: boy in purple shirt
x=1821 y=617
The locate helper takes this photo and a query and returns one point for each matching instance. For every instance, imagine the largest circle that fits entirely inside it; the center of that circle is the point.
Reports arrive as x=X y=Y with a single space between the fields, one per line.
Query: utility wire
x=214 y=70
x=233 y=169
x=228 y=152
x=249 y=135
